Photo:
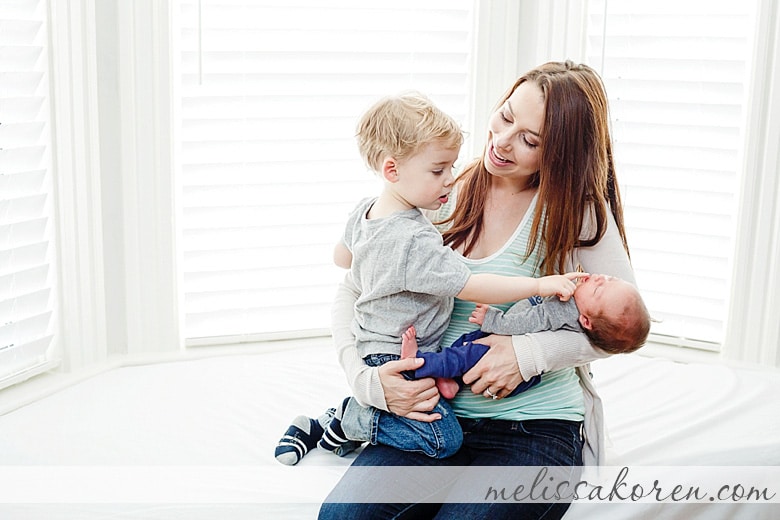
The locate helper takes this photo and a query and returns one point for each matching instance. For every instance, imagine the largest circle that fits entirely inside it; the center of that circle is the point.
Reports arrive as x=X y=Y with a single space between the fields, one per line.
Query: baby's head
x=399 y=126
x=612 y=313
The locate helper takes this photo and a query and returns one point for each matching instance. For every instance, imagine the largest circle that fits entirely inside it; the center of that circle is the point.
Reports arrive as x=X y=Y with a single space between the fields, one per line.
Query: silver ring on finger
x=491 y=394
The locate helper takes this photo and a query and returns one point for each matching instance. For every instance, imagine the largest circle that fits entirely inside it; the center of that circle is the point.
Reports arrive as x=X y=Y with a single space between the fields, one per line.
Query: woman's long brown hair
x=576 y=172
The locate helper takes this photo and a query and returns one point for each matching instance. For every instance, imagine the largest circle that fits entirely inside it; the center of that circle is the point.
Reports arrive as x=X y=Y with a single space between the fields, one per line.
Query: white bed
x=194 y=439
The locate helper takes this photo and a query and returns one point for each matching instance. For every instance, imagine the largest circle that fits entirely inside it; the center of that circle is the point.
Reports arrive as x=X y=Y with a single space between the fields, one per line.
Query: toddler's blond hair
x=398 y=126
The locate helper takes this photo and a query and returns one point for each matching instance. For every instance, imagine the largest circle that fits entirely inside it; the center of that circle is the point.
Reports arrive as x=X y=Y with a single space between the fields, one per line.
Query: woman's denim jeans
x=486 y=442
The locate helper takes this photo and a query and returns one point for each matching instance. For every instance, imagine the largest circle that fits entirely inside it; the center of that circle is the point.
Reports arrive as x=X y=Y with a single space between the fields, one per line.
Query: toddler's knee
x=449 y=441
x=446 y=451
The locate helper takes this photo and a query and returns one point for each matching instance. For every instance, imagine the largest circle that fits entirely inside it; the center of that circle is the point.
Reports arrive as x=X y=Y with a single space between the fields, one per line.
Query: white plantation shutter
x=675 y=73
x=26 y=270
x=270 y=95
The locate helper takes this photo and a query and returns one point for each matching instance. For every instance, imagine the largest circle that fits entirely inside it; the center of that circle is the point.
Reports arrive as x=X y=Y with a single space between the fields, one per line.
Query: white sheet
x=195 y=439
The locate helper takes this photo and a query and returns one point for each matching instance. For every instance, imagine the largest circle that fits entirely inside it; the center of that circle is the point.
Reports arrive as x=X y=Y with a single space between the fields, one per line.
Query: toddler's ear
x=390 y=169
x=585 y=322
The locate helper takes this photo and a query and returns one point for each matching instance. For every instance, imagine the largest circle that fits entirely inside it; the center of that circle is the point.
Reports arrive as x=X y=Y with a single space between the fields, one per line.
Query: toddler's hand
x=562 y=285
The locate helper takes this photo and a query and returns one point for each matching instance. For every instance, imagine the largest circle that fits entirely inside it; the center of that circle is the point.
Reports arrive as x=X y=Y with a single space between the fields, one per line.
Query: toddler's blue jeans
x=438 y=439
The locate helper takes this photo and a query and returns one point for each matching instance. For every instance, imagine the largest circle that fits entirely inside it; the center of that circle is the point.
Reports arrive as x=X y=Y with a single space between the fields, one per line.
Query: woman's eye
x=505 y=118
x=529 y=143
x=438 y=172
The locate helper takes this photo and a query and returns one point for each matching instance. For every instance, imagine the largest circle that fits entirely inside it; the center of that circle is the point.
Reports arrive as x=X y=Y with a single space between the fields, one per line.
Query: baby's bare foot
x=409 y=343
x=447 y=387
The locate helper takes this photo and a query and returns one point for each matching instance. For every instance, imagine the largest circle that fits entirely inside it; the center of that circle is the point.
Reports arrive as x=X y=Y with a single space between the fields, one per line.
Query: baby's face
x=599 y=294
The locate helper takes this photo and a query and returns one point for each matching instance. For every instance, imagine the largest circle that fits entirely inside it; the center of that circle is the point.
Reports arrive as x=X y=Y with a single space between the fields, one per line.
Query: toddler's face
x=425 y=178
x=599 y=294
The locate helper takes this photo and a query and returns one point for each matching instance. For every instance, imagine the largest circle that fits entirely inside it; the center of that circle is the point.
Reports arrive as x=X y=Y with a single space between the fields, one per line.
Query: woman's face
x=514 y=130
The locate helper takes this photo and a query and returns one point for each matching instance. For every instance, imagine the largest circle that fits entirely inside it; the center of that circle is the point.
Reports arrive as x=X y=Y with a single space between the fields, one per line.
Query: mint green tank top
x=559 y=395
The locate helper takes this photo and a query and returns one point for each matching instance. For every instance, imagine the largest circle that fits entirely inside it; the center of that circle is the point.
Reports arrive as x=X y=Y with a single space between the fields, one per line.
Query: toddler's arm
x=493 y=288
x=342 y=256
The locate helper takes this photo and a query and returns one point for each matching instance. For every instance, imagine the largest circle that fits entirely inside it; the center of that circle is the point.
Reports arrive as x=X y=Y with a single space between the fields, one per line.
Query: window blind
x=27 y=310
x=270 y=95
x=675 y=74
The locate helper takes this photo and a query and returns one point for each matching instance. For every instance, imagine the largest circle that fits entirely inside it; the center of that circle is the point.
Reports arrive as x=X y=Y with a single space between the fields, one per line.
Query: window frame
x=32 y=356
x=76 y=181
x=752 y=325
x=140 y=321
x=254 y=265
x=752 y=330
x=544 y=31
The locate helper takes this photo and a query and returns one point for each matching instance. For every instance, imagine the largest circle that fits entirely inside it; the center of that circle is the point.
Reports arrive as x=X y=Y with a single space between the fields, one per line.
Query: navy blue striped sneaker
x=334 y=438
x=302 y=436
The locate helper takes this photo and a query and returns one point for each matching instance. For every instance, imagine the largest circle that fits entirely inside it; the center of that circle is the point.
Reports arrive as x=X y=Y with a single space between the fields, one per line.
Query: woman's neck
x=506 y=204
x=512 y=186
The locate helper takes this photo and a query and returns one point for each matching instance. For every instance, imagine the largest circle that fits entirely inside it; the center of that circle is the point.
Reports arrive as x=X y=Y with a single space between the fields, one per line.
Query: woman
x=542 y=199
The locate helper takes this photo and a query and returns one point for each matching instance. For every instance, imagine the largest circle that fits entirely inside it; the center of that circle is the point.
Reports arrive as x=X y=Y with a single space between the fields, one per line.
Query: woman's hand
x=497 y=372
x=410 y=399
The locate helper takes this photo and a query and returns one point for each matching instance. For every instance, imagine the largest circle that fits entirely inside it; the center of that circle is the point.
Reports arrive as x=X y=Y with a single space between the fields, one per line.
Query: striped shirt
x=559 y=395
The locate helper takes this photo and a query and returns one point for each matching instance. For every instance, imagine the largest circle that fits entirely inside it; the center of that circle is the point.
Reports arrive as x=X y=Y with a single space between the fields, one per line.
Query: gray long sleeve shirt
x=533 y=315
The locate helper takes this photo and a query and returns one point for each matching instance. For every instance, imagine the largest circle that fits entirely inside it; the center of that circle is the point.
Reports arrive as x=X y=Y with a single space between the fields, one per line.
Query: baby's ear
x=390 y=169
x=585 y=322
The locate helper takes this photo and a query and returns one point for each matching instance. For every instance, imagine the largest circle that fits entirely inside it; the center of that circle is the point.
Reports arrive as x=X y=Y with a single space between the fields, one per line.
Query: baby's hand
x=478 y=314
x=562 y=285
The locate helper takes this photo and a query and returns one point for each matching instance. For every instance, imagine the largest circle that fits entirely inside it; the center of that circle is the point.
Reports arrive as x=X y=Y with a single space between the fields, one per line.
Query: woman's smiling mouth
x=496 y=158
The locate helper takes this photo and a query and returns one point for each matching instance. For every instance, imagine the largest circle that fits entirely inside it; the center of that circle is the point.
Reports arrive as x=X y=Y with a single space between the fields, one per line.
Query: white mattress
x=194 y=439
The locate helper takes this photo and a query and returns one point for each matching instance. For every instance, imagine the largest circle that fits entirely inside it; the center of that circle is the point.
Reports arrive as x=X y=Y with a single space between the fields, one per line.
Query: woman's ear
x=585 y=322
x=390 y=169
